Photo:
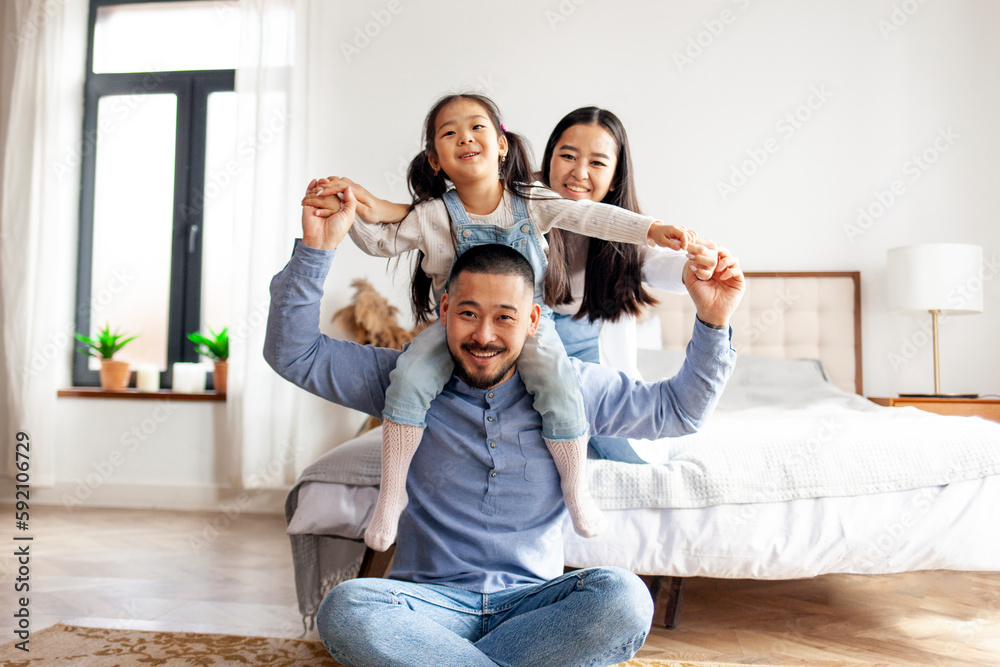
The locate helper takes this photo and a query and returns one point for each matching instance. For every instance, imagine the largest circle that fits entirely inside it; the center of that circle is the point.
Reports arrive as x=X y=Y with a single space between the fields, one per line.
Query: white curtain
x=265 y=410
x=38 y=222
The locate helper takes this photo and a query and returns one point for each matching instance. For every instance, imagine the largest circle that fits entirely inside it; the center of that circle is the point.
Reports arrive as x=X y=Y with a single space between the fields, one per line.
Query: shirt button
x=489 y=419
x=466 y=233
x=493 y=445
x=493 y=474
x=490 y=394
x=525 y=228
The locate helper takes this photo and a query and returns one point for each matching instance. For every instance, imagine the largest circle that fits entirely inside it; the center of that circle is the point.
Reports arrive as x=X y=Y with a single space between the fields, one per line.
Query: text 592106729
x=22 y=541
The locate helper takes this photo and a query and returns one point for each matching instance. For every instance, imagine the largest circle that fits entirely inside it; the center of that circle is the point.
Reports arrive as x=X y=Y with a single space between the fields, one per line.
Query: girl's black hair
x=613 y=280
x=425 y=184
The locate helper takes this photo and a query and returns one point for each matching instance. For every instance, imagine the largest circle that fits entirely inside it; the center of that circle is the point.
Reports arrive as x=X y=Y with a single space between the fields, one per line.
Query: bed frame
x=784 y=315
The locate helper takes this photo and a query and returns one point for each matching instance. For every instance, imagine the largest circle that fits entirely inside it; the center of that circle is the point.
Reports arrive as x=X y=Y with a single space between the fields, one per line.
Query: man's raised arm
x=340 y=371
x=681 y=404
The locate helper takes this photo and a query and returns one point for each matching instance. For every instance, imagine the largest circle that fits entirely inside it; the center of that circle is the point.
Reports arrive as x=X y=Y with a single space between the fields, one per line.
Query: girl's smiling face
x=467 y=146
x=583 y=163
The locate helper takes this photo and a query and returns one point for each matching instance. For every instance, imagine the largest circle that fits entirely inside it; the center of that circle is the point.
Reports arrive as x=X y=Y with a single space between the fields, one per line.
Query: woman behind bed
x=587 y=156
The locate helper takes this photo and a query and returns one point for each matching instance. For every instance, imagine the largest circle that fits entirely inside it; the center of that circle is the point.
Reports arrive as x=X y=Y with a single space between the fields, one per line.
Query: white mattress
x=946 y=527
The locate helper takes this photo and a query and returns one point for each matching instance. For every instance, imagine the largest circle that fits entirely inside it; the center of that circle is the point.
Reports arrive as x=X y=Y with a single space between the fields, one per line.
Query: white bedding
x=761 y=492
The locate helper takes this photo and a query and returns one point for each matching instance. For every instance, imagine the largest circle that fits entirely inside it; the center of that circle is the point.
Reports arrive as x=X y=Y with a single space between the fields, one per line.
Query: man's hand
x=328 y=191
x=716 y=299
x=325 y=228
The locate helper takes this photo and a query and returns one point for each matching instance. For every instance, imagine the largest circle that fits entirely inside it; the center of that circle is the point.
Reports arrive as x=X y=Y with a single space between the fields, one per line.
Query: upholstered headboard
x=787 y=315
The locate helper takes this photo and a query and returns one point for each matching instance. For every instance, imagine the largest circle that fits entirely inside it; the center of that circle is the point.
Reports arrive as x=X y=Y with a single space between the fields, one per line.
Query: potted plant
x=215 y=347
x=104 y=346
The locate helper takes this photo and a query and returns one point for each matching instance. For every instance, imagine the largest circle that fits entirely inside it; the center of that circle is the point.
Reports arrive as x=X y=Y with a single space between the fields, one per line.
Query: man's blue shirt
x=485 y=506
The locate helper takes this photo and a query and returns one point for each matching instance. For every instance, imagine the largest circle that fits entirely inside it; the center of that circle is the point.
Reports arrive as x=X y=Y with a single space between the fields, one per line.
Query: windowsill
x=162 y=394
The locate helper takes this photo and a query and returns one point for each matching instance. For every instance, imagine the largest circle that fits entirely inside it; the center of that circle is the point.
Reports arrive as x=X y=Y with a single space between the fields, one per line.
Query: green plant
x=105 y=344
x=215 y=347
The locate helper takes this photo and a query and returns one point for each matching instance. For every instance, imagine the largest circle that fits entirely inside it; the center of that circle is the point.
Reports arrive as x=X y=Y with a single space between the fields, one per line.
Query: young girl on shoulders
x=472 y=184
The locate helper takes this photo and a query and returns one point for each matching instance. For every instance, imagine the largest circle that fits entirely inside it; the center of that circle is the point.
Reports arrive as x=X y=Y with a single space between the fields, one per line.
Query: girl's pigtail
x=515 y=172
x=425 y=183
x=420 y=292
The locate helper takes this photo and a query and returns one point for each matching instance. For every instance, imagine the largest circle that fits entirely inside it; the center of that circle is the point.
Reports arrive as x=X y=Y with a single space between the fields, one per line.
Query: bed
x=796 y=474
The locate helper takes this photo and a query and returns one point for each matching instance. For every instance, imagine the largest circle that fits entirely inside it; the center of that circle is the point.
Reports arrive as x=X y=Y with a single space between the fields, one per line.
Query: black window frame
x=192 y=89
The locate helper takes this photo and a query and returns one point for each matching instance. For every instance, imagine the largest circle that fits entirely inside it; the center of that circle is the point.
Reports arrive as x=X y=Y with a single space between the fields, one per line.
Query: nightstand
x=967 y=407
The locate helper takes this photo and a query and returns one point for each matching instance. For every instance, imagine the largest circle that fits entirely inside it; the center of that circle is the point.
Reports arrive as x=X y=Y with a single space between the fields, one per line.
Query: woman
x=598 y=288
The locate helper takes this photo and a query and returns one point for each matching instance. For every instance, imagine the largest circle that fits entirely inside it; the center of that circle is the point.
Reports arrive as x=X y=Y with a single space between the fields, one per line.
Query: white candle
x=189 y=378
x=147 y=378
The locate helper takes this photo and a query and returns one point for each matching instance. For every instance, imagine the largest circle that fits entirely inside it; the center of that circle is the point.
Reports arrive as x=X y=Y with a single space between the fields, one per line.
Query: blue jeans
x=579 y=337
x=597 y=616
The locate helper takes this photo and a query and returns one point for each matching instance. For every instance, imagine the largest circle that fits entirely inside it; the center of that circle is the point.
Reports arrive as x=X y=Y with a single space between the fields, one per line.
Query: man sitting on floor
x=476 y=578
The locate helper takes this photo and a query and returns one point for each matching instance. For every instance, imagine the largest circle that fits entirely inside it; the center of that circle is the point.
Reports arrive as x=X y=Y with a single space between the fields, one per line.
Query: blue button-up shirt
x=485 y=506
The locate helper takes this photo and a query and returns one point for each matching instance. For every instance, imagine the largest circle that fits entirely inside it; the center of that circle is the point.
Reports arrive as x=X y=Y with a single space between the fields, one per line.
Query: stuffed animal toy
x=370 y=320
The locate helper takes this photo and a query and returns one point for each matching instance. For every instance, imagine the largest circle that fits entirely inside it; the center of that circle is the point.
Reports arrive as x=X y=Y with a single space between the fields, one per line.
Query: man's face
x=487 y=318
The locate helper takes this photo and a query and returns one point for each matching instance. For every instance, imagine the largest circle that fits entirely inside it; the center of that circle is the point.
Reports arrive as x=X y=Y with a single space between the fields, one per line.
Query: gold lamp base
x=937 y=369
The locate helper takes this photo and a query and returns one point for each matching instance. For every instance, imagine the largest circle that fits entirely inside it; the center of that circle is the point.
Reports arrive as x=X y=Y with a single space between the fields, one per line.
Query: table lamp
x=937 y=278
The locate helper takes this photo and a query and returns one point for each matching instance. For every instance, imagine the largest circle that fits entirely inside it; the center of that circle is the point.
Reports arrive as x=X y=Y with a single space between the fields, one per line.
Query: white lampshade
x=935 y=276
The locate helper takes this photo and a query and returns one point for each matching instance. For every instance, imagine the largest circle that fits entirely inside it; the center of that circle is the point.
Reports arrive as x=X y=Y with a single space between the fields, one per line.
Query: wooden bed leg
x=376 y=563
x=675 y=595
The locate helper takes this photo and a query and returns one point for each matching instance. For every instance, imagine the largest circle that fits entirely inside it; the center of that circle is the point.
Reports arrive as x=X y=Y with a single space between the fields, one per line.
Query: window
x=155 y=218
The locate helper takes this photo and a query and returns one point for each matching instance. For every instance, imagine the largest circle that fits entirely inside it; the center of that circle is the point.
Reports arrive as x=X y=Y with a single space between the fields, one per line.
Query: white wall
x=881 y=94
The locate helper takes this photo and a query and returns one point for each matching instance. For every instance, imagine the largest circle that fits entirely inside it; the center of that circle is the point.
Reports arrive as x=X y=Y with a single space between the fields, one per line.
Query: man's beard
x=478 y=380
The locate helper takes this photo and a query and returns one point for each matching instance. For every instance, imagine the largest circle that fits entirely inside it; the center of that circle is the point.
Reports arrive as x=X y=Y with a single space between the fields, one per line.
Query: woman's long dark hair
x=425 y=184
x=613 y=278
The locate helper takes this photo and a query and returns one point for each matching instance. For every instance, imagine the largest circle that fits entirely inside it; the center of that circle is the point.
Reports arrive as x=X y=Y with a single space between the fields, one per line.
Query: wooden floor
x=214 y=572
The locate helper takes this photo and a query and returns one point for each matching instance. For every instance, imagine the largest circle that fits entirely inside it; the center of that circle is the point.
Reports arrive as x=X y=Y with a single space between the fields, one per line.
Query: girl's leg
x=420 y=374
x=549 y=376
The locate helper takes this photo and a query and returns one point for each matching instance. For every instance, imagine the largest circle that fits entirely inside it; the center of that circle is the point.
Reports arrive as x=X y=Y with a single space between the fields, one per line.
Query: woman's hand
x=703 y=257
x=324 y=228
x=716 y=299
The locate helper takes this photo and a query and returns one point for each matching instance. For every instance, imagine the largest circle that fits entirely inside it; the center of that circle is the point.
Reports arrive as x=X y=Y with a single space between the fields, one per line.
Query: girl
x=490 y=201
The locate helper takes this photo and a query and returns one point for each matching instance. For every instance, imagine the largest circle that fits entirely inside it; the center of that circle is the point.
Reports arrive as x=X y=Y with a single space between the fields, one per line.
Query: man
x=476 y=573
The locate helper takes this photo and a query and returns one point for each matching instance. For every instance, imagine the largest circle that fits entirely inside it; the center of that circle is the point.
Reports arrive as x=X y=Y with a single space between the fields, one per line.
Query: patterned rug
x=62 y=645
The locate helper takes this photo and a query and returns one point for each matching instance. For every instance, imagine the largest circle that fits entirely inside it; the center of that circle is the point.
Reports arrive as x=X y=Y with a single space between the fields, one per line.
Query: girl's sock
x=571 y=458
x=399 y=443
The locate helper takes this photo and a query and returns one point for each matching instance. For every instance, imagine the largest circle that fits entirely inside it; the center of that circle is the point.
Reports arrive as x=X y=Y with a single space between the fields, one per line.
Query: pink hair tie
x=503 y=126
